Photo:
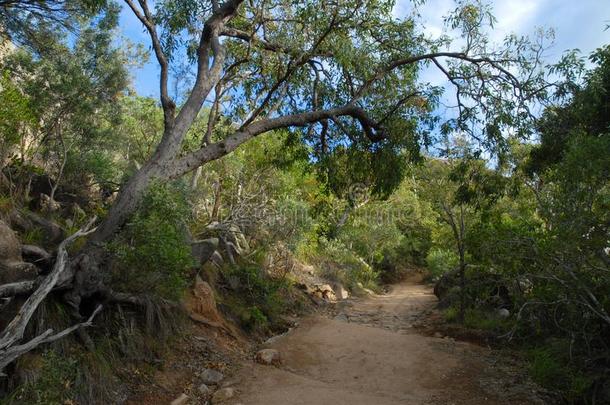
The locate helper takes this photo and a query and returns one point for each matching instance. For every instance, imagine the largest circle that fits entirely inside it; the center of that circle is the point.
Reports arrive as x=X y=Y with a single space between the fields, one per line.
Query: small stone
x=222 y=395
x=210 y=376
x=268 y=357
x=503 y=313
x=438 y=335
x=204 y=389
x=181 y=400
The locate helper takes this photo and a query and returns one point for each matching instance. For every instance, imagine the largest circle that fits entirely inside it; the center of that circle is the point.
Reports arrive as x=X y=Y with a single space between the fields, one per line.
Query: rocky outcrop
x=325 y=292
x=201 y=306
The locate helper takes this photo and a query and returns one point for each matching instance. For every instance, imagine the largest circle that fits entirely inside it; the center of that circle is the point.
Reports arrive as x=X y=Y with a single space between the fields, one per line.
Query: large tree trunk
x=125 y=204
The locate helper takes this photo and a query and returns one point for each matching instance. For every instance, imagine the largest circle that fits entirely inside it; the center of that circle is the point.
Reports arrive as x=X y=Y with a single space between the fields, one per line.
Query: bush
x=257 y=301
x=56 y=383
x=440 y=261
x=339 y=263
x=550 y=366
x=152 y=252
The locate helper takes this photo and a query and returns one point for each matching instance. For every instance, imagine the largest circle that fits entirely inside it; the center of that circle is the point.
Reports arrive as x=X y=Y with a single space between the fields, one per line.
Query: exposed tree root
x=13 y=333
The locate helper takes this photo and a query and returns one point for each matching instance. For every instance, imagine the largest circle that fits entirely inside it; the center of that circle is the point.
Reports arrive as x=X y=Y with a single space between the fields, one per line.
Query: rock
x=217 y=259
x=10 y=248
x=503 y=313
x=12 y=267
x=203 y=250
x=438 y=335
x=48 y=204
x=268 y=357
x=181 y=400
x=324 y=288
x=53 y=234
x=325 y=291
x=340 y=292
x=19 y=222
x=223 y=395
x=37 y=255
x=342 y=317
x=211 y=377
x=204 y=389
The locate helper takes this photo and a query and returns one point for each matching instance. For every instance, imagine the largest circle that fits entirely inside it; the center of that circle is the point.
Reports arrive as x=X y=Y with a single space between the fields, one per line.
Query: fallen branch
x=12 y=353
x=15 y=330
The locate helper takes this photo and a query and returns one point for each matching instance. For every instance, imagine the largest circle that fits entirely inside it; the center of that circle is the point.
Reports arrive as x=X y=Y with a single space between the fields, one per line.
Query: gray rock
x=503 y=313
x=341 y=317
x=10 y=248
x=217 y=259
x=12 y=267
x=204 y=389
x=35 y=254
x=203 y=250
x=210 y=376
x=223 y=395
x=53 y=233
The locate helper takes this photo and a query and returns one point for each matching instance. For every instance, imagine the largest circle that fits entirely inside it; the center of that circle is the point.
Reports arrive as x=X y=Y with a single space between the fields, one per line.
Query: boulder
x=19 y=221
x=12 y=267
x=10 y=247
x=202 y=302
x=211 y=377
x=325 y=291
x=223 y=395
x=268 y=357
x=38 y=256
x=53 y=234
x=203 y=250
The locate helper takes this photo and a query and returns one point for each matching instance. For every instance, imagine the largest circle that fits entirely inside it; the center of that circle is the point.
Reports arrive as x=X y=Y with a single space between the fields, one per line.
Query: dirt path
x=370 y=354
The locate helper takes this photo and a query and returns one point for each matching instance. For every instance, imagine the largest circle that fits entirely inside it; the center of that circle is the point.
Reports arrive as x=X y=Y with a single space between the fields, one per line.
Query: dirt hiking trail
x=371 y=354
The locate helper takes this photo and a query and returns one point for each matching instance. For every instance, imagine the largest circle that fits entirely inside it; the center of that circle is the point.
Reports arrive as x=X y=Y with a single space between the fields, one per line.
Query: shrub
x=152 y=252
x=56 y=383
x=550 y=366
x=440 y=261
x=257 y=301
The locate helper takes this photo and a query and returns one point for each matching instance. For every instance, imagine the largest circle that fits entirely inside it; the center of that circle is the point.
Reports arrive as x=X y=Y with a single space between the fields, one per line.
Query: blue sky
x=577 y=24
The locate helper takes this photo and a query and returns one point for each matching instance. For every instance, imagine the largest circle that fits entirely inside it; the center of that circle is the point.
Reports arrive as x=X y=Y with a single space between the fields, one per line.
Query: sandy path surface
x=370 y=354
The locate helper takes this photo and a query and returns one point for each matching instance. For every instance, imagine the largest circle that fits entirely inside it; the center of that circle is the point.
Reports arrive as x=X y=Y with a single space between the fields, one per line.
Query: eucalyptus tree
x=343 y=72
